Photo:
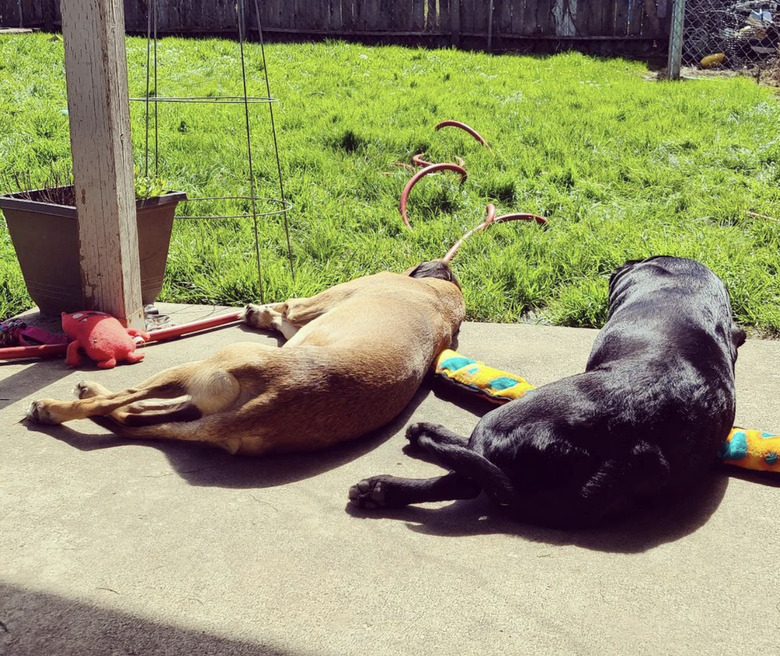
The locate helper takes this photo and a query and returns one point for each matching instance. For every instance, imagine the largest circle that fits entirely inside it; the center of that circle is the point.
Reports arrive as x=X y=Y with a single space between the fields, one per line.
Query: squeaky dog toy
x=749 y=449
x=102 y=338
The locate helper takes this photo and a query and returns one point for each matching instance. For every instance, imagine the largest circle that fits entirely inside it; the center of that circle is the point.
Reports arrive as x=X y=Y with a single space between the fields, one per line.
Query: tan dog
x=355 y=356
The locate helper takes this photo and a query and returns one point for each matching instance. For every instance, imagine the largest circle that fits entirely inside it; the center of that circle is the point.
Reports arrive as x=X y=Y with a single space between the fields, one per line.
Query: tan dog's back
x=360 y=363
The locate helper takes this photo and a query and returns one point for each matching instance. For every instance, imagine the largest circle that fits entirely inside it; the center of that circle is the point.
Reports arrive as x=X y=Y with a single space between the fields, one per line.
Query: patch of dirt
x=767 y=73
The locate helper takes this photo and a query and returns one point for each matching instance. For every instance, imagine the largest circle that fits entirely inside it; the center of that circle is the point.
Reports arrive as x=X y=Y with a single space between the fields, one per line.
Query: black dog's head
x=434 y=269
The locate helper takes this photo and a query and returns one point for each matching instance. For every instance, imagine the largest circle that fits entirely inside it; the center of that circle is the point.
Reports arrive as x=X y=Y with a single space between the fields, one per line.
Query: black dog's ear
x=738 y=336
x=618 y=273
x=434 y=269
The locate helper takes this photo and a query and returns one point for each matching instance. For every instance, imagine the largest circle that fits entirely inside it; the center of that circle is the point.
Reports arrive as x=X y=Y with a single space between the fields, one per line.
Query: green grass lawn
x=623 y=166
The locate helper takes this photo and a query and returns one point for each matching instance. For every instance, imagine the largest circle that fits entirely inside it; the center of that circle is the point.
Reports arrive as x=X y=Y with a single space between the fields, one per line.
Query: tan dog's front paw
x=40 y=412
x=259 y=316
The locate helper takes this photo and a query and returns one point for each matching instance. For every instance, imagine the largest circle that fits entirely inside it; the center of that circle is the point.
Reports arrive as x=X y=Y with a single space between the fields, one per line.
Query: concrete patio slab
x=114 y=547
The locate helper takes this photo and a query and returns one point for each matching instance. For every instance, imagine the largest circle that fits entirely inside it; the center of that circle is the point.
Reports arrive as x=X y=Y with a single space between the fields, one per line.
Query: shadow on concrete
x=201 y=465
x=769 y=478
x=35 y=623
x=39 y=375
x=473 y=403
x=643 y=530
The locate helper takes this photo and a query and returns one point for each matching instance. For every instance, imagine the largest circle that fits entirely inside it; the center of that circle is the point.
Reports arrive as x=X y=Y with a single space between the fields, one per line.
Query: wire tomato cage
x=252 y=205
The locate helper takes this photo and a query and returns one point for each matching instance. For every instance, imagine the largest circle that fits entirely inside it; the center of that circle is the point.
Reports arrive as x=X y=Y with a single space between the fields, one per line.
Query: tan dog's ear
x=434 y=269
x=419 y=268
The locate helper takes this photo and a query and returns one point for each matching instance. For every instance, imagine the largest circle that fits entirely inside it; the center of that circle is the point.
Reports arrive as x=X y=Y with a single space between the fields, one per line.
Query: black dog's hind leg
x=423 y=434
x=395 y=492
x=452 y=451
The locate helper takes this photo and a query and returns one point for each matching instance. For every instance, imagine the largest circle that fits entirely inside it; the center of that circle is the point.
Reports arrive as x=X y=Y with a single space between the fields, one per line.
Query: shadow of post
x=36 y=623
x=32 y=378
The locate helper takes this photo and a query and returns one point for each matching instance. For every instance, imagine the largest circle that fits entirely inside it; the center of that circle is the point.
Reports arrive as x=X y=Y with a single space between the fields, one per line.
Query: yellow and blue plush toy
x=748 y=449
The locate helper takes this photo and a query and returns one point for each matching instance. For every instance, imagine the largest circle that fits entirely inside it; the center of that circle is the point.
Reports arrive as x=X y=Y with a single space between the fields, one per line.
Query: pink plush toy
x=102 y=338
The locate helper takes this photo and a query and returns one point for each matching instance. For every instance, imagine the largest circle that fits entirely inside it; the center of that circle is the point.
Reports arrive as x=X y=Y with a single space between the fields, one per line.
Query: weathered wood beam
x=96 y=72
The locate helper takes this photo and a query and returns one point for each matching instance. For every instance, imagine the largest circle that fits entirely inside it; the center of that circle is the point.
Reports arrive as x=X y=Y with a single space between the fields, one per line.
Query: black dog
x=645 y=420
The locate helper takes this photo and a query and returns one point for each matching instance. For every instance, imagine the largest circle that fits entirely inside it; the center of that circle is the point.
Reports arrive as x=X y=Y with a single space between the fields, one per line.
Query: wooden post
x=490 y=27
x=98 y=107
x=455 y=23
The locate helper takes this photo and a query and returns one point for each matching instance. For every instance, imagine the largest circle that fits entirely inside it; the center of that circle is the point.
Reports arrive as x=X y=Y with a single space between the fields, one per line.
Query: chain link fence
x=734 y=34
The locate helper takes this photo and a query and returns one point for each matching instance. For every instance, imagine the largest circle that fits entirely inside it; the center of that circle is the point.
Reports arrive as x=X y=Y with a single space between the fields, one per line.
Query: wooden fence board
x=608 y=18
x=479 y=16
x=417 y=15
x=288 y=15
x=366 y=12
x=9 y=16
x=269 y=15
x=603 y=19
x=585 y=14
x=311 y=15
x=432 y=16
x=635 y=17
x=333 y=16
x=595 y=21
x=544 y=17
x=443 y=21
x=530 y=21
x=519 y=18
x=466 y=16
x=621 y=19
x=347 y=8
x=651 y=24
x=397 y=14
x=502 y=18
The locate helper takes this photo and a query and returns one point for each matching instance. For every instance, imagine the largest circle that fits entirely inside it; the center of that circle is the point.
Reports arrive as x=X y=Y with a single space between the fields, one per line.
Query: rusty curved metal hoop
x=432 y=168
x=466 y=128
x=489 y=221
x=418 y=160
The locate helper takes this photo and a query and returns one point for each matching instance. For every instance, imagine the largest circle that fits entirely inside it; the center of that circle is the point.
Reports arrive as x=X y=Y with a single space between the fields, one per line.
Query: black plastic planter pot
x=45 y=236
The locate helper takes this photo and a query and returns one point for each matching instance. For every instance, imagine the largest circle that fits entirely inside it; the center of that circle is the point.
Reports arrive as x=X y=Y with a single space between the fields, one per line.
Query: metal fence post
x=676 y=39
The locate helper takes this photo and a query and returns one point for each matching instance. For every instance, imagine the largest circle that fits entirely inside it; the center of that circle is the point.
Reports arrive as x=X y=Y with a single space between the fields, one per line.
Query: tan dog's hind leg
x=199 y=401
x=156 y=410
x=210 y=430
x=208 y=388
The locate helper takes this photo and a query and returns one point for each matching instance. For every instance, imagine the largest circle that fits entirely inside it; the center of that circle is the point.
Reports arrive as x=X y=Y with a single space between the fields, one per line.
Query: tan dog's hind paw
x=40 y=412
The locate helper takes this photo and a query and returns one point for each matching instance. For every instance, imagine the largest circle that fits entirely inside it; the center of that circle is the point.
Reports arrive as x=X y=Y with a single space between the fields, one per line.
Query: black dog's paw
x=416 y=431
x=368 y=493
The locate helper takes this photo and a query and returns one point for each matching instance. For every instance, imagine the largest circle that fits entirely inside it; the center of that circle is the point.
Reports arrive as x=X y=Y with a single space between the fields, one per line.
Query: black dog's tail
x=473 y=466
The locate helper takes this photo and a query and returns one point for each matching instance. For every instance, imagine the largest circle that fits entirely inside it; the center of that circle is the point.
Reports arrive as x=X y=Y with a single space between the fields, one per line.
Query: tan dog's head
x=433 y=269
